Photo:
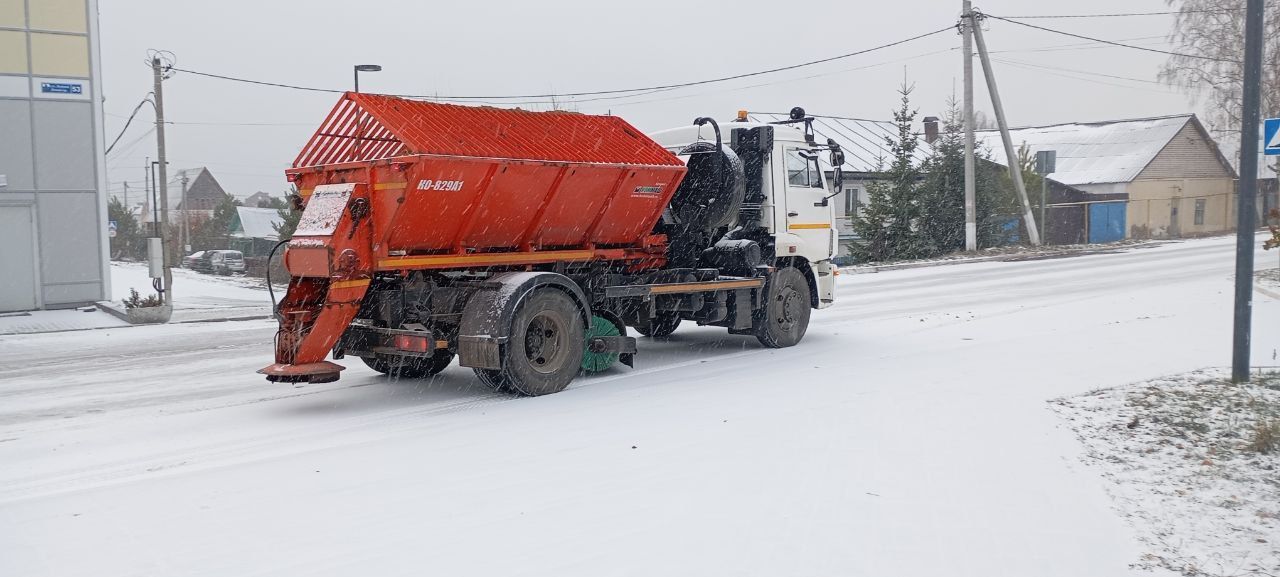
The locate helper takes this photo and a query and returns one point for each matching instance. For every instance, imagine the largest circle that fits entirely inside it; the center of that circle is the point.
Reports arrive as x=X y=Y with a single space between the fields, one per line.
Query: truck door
x=807 y=218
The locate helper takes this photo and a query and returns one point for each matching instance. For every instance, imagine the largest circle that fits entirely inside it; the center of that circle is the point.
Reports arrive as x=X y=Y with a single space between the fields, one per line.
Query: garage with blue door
x=1106 y=221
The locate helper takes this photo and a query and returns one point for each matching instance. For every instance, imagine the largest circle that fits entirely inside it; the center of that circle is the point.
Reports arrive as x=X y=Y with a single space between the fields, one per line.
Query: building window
x=1200 y=202
x=852 y=204
x=13 y=52
x=60 y=55
x=59 y=15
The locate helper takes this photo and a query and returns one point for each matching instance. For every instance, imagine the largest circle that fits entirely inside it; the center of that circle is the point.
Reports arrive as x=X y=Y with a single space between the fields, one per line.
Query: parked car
x=190 y=260
x=225 y=262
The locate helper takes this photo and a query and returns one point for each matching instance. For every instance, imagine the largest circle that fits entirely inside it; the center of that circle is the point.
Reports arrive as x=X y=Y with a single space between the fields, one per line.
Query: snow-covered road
x=908 y=435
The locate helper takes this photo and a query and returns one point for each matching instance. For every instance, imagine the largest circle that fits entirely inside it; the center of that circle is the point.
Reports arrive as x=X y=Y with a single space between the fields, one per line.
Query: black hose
x=701 y=120
x=270 y=290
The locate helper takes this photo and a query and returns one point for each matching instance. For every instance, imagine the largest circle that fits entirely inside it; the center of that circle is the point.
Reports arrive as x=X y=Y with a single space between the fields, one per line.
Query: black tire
x=545 y=350
x=411 y=367
x=784 y=319
x=492 y=379
x=662 y=325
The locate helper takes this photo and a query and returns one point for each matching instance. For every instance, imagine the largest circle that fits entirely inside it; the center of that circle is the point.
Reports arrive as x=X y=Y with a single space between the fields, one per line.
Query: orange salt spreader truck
x=527 y=243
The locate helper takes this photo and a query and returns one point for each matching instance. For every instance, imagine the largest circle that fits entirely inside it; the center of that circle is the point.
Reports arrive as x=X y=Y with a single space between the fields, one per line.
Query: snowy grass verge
x=1268 y=278
x=1193 y=463
x=1003 y=253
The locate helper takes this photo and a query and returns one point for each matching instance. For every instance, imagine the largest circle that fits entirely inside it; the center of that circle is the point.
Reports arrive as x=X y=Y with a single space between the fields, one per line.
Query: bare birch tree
x=1214 y=31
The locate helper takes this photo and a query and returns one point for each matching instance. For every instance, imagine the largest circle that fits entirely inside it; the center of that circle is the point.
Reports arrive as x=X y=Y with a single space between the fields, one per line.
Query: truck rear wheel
x=784 y=318
x=411 y=367
x=545 y=350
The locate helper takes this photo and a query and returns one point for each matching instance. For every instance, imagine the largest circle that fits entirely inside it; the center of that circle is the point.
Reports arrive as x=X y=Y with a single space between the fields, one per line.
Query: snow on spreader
x=527 y=243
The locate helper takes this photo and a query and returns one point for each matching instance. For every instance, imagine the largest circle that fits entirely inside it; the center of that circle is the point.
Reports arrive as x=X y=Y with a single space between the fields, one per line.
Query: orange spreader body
x=409 y=185
x=456 y=180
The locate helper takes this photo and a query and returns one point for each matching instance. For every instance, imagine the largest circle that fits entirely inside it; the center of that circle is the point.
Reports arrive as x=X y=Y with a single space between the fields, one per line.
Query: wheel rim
x=788 y=310
x=595 y=362
x=544 y=345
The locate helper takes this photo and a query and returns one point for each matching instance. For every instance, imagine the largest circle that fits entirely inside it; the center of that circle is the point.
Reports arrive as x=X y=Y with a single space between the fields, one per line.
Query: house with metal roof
x=194 y=190
x=1161 y=177
x=253 y=229
x=259 y=199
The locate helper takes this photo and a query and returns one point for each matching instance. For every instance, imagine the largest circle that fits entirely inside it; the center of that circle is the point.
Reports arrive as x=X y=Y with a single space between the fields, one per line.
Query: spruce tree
x=942 y=190
x=889 y=227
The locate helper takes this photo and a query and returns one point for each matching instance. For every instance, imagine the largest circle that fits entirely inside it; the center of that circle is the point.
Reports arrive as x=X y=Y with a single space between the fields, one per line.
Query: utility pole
x=126 y=197
x=1015 y=171
x=1046 y=164
x=186 y=220
x=1247 y=199
x=970 y=175
x=149 y=171
x=166 y=293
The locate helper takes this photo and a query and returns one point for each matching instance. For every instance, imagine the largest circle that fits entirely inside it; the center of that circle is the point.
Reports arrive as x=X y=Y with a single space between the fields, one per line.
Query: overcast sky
x=247 y=135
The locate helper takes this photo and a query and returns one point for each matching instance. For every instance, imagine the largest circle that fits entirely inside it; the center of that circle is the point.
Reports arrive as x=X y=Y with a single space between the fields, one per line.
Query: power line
x=180 y=123
x=626 y=91
x=474 y=99
x=145 y=100
x=1051 y=71
x=775 y=82
x=133 y=143
x=1090 y=38
x=1120 y=14
x=1090 y=73
x=1071 y=47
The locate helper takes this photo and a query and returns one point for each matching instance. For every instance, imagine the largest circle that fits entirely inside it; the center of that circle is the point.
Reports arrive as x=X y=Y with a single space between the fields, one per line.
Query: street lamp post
x=360 y=121
x=364 y=68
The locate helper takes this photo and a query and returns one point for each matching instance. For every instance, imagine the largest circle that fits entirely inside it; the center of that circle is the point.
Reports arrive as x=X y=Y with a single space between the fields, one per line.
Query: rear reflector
x=413 y=344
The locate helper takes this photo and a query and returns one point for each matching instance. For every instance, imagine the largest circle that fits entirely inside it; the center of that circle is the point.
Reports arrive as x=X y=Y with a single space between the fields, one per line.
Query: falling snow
x=909 y=434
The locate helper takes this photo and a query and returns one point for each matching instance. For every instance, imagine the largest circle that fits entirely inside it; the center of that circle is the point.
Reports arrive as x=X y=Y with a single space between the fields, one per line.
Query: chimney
x=930 y=129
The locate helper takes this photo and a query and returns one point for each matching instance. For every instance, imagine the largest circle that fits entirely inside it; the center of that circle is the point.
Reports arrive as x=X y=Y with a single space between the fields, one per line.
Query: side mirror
x=837 y=161
x=837 y=164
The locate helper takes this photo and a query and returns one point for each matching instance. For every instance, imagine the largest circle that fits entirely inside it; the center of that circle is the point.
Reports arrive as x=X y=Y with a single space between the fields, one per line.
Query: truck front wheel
x=784 y=318
x=545 y=350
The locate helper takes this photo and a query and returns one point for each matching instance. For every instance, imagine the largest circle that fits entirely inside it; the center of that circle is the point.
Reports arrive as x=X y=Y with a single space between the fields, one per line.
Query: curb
x=222 y=320
x=109 y=307
x=910 y=265
x=1103 y=249
x=1267 y=292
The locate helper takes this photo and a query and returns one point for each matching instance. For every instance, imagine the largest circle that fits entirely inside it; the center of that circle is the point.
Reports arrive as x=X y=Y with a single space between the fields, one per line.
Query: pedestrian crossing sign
x=1271 y=137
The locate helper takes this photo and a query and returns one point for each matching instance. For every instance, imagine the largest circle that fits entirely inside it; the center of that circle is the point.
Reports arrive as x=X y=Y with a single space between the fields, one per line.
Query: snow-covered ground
x=1194 y=462
x=908 y=435
x=197 y=296
x=200 y=297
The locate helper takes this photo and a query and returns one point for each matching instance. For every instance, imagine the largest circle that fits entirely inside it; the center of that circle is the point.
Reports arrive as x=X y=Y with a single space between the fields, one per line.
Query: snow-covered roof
x=258 y=222
x=863 y=141
x=1096 y=152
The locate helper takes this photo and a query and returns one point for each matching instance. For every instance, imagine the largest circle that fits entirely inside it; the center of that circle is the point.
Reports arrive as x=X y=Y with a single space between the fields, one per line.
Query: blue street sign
x=61 y=88
x=1271 y=137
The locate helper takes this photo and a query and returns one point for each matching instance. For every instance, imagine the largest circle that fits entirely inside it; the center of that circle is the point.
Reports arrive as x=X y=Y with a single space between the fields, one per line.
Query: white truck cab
x=788 y=194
